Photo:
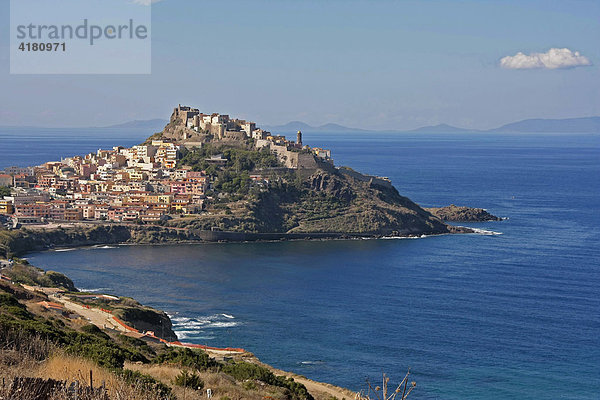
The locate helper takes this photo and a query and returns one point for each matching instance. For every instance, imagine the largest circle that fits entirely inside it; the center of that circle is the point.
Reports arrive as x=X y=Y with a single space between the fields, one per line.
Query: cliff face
x=21 y=241
x=328 y=202
x=146 y=319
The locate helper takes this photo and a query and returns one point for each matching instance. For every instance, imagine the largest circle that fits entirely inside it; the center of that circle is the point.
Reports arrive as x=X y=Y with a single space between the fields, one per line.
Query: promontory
x=204 y=177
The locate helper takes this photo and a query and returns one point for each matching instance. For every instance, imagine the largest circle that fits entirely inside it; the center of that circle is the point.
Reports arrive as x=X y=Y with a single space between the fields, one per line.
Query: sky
x=365 y=64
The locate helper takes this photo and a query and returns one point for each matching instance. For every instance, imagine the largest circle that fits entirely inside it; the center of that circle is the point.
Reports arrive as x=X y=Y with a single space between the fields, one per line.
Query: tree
x=4 y=191
x=189 y=380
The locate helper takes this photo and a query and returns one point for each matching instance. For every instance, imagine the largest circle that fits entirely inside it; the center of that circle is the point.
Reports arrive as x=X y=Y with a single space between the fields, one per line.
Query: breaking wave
x=317 y=362
x=201 y=327
x=480 y=231
x=94 y=290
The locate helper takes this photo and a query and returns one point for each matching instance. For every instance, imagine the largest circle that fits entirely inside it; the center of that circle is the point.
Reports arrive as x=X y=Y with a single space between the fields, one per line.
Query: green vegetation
x=19 y=328
x=196 y=359
x=94 y=330
x=101 y=349
x=29 y=275
x=147 y=382
x=7 y=240
x=234 y=176
x=243 y=371
x=189 y=380
x=4 y=191
x=238 y=160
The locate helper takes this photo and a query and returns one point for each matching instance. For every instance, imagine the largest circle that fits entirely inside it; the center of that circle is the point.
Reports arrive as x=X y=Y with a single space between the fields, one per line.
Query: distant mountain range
x=442 y=128
x=568 y=125
x=295 y=126
x=155 y=125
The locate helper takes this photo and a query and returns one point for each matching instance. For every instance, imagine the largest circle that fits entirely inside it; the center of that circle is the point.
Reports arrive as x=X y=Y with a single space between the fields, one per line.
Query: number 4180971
x=43 y=47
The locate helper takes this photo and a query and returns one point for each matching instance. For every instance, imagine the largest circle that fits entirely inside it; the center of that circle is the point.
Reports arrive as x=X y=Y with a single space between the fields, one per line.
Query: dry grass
x=68 y=368
x=222 y=385
x=20 y=356
x=12 y=365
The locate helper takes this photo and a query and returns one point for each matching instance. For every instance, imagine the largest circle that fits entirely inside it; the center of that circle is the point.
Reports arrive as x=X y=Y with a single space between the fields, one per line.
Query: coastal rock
x=345 y=202
x=462 y=214
x=146 y=319
x=330 y=184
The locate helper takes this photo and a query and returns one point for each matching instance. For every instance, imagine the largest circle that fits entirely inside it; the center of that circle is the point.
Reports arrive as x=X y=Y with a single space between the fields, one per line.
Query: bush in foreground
x=189 y=380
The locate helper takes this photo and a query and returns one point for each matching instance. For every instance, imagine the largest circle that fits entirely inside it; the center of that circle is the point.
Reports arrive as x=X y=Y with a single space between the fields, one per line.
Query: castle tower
x=299 y=139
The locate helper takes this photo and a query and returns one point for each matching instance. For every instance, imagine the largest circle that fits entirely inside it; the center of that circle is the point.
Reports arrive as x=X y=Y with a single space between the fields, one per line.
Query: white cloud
x=552 y=59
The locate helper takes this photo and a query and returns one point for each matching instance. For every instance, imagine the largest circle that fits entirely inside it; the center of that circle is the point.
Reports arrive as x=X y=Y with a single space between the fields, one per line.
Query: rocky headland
x=454 y=213
x=258 y=187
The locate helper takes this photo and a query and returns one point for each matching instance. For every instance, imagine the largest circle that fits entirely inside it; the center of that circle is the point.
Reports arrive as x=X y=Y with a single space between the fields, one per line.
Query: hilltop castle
x=192 y=128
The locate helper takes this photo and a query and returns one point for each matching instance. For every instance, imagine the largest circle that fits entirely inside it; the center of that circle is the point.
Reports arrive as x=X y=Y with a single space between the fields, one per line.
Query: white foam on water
x=199 y=323
x=94 y=290
x=405 y=237
x=222 y=325
x=485 y=232
x=186 y=334
x=179 y=319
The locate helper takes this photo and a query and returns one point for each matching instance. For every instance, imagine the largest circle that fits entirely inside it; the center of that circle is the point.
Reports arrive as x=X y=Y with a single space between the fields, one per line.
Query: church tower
x=299 y=139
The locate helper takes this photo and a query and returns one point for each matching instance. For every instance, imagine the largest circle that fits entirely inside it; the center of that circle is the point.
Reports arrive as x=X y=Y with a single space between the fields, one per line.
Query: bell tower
x=299 y=138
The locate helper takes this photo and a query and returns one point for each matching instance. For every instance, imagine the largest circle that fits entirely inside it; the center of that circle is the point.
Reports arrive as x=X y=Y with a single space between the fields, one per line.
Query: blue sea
x=514 y=315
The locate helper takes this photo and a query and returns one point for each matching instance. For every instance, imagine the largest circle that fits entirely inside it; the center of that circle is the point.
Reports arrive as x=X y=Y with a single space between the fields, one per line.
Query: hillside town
x=143 y=183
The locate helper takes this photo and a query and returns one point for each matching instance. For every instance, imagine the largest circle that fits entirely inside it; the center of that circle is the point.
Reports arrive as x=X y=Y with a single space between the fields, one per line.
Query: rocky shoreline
x=38 y=238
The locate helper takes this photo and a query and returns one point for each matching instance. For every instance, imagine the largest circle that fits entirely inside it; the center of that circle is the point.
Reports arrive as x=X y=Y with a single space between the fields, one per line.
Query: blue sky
x=367 y=64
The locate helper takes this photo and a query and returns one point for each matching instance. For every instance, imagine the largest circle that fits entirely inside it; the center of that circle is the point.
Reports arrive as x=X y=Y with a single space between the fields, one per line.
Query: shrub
x=57 y=279
x=4 y=191
x=249 y=385
x=103 y=353
x=94 y=330
x=10 y=305
x=91 y=343
x=243 y=371
x=146 y=382
x=196 y=359
x=188 y=380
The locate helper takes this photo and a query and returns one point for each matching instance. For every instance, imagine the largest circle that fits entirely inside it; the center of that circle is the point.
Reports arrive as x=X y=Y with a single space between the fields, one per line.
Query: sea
x=510 y=313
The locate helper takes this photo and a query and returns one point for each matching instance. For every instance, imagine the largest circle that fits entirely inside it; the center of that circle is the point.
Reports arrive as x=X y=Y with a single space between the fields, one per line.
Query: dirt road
x=96 y=316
